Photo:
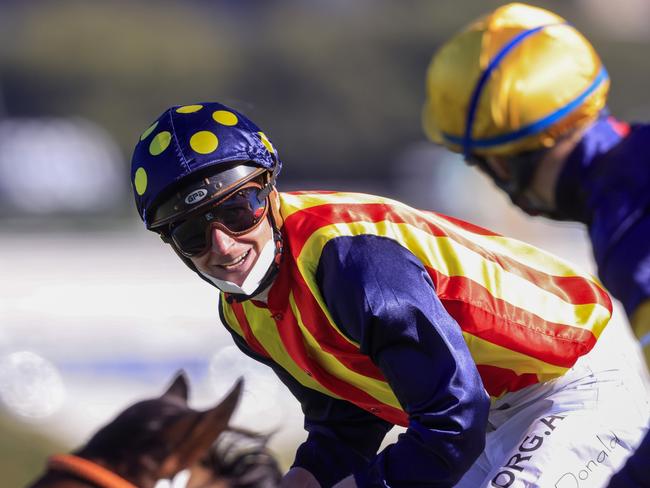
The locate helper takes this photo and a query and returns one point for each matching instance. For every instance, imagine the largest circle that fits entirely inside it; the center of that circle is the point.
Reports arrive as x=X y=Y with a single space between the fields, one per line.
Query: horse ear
x=179 y=387
x=204 y=432
x=226 y=407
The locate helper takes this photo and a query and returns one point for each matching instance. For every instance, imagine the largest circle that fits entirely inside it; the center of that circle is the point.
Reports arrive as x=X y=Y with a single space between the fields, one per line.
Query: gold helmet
x=512 y=81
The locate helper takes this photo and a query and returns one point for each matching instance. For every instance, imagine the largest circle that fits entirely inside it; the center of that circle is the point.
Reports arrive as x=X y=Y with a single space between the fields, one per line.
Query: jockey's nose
x=221 y=241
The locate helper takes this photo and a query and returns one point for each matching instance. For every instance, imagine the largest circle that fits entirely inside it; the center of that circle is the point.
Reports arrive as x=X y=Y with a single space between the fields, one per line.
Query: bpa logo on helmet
x=196 y=196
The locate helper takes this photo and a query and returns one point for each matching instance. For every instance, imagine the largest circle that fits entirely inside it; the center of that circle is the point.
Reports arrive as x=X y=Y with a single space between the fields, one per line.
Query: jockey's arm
x=342 y=437
x=381 y=297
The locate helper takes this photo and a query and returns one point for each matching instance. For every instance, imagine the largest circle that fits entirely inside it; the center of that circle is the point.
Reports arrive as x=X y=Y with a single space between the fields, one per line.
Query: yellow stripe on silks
x=489 y=354
x=377 y=389
x=231 y=319
x=294 y=203
x=517 y=290
x=265 y=331
x=512 y=248
x=453 y=259
x=535 y=257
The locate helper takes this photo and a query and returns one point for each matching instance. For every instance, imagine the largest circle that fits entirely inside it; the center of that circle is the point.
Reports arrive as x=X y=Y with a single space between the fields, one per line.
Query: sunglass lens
x=241 y=211
x=237 y=214
x=190 y=236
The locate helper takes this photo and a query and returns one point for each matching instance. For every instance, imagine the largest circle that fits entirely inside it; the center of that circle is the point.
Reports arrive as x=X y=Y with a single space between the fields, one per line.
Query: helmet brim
x=199 y=193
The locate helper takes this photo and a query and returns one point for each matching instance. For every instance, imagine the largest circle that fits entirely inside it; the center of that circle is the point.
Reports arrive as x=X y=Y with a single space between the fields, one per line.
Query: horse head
x=152 y=440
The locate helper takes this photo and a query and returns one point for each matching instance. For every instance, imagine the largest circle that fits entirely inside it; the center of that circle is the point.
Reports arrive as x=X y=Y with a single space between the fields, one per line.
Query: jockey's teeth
x=237 y=261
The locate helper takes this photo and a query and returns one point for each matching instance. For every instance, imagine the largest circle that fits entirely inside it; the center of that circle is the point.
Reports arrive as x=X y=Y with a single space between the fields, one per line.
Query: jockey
x=521 y=94
x=375 y=314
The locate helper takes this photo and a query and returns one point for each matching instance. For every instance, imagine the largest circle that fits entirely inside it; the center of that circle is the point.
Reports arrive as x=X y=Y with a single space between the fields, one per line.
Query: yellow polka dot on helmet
x=225 y=117
x=267 y=144
x=160 y=142
x=204 y=142
x=140 y=181
x=512 y=81
x=149 y=130
x=189 y=109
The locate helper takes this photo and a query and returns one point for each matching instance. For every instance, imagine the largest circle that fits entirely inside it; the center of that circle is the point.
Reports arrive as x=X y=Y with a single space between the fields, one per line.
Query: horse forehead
x=159 y=407
x=151 y=415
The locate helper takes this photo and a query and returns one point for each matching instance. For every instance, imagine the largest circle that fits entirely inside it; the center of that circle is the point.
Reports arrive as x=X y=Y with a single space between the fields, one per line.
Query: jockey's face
x=232 y=257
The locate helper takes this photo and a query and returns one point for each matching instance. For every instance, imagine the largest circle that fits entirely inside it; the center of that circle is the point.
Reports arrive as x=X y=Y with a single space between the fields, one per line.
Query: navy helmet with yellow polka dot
x=190 y=141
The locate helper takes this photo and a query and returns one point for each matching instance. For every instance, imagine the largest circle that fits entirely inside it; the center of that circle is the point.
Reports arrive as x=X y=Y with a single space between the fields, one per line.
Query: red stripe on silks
x=475 y=229
x=252 y=341
x=500 y=380
x=315 y=217
x=570 y=288
x=278 y=299
x=516 y=329
x=293 y=342
x=620 y=127
x=328 y=338
x=574 y=289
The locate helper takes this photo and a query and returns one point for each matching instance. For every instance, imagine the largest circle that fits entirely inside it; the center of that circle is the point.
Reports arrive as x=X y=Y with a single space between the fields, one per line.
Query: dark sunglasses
x=236 y=214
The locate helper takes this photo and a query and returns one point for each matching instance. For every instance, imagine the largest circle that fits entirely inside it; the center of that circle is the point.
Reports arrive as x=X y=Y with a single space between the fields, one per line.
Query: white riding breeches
x=572 y=432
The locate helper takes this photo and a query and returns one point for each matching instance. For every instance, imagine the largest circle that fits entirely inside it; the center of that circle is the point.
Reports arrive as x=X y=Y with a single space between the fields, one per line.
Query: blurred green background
x=337 y=85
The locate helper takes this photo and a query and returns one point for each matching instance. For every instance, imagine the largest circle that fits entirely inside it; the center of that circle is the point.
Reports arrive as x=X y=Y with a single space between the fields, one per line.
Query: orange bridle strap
x=88 y=470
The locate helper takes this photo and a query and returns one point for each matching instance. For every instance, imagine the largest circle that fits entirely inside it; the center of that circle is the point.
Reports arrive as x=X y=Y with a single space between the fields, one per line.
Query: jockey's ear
x=196 y=432
x=179 y=387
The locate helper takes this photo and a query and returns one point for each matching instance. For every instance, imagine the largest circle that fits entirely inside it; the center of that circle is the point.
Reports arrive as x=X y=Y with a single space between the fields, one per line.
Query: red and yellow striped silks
x=526 y=315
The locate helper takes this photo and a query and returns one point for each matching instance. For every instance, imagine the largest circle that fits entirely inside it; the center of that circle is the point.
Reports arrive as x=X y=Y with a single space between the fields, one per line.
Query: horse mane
x=244 y=459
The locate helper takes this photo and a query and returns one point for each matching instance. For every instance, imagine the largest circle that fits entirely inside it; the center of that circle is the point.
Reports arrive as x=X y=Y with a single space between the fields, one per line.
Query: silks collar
x=88 y=470
x=572 y=190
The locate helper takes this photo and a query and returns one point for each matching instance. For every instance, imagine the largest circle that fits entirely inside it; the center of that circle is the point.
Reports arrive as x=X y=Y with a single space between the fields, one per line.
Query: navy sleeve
x=342 y=438
x=620 y=231
x=381 y=296
x=606 y=178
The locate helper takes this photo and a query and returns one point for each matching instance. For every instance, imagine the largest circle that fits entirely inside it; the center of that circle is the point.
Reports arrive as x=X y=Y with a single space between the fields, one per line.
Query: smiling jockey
x=376 y=314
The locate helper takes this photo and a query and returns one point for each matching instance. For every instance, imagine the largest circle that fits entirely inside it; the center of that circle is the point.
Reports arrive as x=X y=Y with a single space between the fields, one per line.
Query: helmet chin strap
x=255 y=276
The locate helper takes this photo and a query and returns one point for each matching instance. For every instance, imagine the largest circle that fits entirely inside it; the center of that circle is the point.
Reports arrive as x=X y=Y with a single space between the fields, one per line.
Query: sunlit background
x=95 y=312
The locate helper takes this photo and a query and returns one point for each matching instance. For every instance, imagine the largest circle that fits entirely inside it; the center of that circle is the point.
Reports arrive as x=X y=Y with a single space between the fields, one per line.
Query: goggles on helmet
x=201 y=193
x=236 y=214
